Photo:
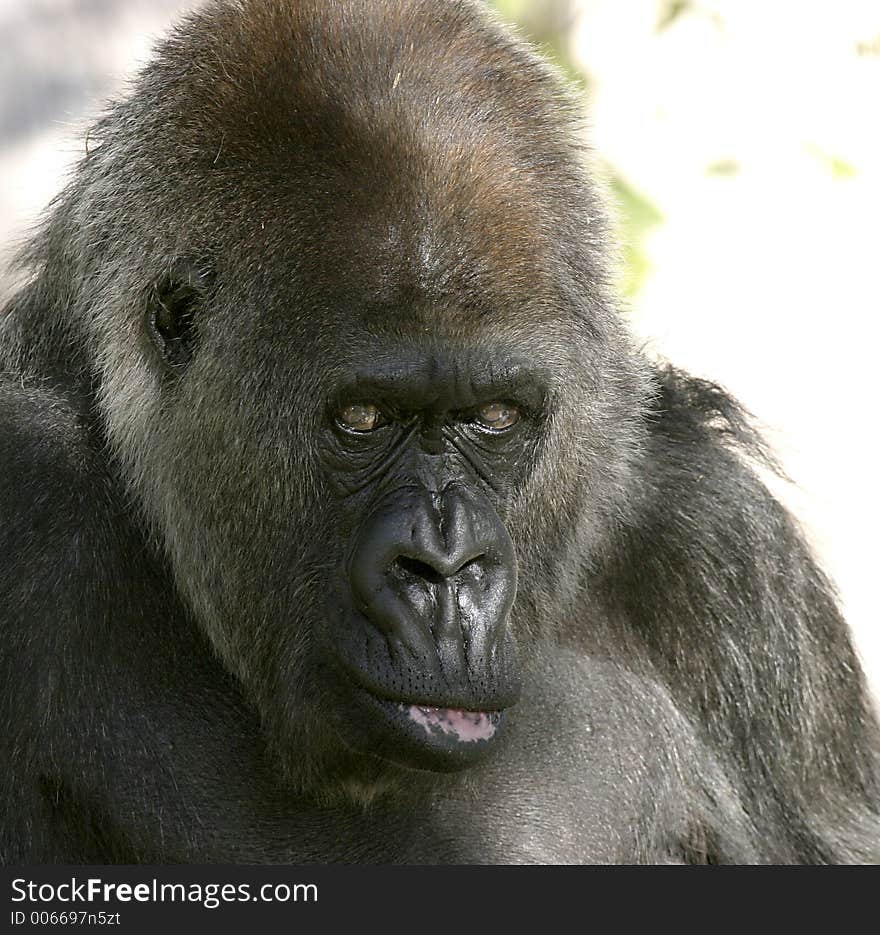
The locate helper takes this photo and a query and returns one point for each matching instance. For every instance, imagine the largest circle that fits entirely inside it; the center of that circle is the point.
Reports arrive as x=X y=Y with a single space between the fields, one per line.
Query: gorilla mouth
x=465 y=726
x=423 y=736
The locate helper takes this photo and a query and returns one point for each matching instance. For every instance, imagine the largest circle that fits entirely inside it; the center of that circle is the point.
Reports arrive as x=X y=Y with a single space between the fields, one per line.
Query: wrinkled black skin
x=419 y=611
x=205 y=582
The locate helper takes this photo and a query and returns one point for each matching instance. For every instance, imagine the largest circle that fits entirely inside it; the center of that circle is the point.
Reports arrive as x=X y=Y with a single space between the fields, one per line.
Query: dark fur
x=343 y=177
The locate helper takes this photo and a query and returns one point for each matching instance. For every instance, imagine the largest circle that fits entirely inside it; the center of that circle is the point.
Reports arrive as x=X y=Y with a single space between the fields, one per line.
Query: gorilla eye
x=497 y=416
x=360 y=417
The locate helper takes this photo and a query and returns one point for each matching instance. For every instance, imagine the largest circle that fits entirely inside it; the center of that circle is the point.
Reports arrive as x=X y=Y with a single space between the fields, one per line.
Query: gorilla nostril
x=437 y=573
x=421 y=570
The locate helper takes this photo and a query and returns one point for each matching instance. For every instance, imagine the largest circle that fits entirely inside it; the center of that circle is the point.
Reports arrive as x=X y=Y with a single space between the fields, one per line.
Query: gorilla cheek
x=417 y=629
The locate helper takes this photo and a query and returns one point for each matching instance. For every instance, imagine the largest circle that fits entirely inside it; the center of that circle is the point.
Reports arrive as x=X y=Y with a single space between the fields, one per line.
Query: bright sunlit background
x=741 y=142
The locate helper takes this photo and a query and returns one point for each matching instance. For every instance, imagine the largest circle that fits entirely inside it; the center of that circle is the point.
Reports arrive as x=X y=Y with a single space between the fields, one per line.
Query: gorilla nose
x=444 y=540
x=438 y=575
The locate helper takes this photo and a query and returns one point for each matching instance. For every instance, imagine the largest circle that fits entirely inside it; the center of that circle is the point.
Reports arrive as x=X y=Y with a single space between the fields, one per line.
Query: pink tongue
x=465 y=725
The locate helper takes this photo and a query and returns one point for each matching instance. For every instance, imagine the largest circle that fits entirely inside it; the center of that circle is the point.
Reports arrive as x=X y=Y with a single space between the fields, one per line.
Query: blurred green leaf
x=724 y=167
x=836 y=165
x=637 y=216
x=670 y=12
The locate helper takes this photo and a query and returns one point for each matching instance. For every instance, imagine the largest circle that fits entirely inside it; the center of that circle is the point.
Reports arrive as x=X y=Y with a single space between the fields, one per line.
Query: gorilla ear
x=171 y=313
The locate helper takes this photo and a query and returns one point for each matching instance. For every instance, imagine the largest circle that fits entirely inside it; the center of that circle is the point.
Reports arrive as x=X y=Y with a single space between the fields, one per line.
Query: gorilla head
x=358 y=359
x=320 y=437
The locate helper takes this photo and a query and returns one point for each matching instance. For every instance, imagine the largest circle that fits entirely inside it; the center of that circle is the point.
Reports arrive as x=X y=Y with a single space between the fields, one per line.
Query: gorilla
x=342 y=518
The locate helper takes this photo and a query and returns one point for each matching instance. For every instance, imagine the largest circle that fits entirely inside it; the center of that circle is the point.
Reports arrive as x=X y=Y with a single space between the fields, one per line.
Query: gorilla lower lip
x=466 y=726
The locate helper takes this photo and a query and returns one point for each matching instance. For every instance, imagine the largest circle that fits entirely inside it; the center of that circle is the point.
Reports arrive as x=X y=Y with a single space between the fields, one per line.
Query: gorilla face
x=356 y=558
x=423 y=449
x=374 y=399
x=348 y=508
